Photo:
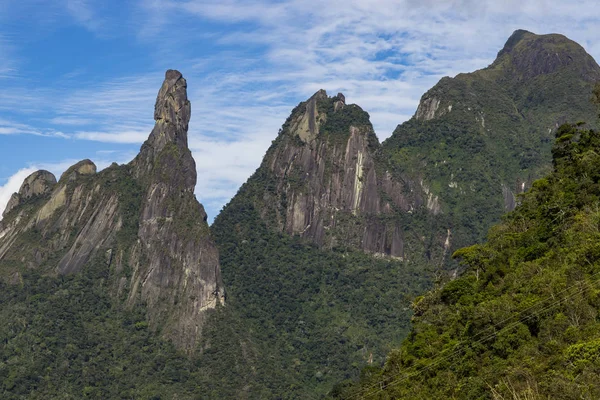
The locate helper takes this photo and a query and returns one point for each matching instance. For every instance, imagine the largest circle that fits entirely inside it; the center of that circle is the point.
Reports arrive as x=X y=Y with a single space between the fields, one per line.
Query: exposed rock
x=307 y=127
x=37 y=184
x=339 y=103
x=141 y=222
x=328 y=185
x=84 y=167
x=57 y=200
x=510 y=201
x=16 y=278
x=530 y=55
x=486 y=135
x=14 y=201
x=427 y=108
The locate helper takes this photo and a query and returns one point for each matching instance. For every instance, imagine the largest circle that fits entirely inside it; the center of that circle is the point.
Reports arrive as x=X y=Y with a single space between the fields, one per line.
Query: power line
x=456 y=352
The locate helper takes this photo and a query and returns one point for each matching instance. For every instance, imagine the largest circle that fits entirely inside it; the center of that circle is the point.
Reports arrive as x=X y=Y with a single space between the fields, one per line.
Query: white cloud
x=71 y=121
x=382 y=54
x=14 y=182
x=127 y=136
x=266 y=56
x=8 y=127
x=11 y=186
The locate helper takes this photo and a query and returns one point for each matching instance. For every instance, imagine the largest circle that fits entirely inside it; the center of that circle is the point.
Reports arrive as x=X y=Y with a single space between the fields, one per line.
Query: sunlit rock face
x=322 y=180
x=140 y=222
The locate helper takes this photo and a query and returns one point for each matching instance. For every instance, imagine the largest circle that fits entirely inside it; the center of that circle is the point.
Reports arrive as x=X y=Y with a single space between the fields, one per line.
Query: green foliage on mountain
x=66 y=338
x=63 y=337
x=303 y=313
x=523 y=321
x=318 y=316
x=297 y=320
x=478 y=139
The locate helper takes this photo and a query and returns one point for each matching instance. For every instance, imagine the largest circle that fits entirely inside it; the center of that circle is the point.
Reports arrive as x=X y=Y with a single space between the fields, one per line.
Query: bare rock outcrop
x=327 y=185
x=139 y=222
x=37 y=184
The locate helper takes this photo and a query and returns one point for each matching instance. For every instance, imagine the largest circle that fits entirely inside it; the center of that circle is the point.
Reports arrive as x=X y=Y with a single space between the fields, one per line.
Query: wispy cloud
x=249 y=62
x=7 y=58
x=123 y=136
x=14 y=182
x=83 y=13
x=11 y=186
x=382 y=54
x=8 y=127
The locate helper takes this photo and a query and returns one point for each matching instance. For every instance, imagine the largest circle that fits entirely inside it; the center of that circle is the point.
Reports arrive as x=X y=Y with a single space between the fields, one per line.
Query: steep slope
x=322 y=180
x=298 y=239
x=140 y=222
x=522 y=322
x=480 y=139
x=319 y=252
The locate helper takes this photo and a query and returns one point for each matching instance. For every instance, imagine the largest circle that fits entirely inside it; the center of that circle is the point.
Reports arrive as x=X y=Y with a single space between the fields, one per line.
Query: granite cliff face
x=140 y=222
x=322 y=180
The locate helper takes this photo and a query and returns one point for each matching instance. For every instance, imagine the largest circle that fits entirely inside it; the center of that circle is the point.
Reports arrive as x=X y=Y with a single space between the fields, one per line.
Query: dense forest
x=522 y=322
x=328 y=275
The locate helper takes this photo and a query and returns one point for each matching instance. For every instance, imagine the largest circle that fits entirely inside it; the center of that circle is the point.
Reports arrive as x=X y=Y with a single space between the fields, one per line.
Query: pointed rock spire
x=169 y=136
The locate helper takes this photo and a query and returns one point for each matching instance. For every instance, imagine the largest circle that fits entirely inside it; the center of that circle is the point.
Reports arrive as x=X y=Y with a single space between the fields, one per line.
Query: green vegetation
x=336 y=128
x=492 y=131
x=62 y=338
x=523 y=321
x=67 y=338
x=318 y=316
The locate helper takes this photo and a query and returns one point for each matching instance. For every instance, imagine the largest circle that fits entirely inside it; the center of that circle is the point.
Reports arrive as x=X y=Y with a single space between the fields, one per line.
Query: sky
x=79 y=78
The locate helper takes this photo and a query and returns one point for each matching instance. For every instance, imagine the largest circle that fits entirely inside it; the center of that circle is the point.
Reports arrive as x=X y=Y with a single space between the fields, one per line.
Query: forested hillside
x=522 y=321
x=479 y=139
x=311 y=279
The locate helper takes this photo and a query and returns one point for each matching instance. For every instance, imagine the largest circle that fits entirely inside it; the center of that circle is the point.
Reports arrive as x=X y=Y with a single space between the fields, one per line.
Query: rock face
x=322 y=180
x=480 y=139
x=140 y=222
x=37 y=184
x=444 y=177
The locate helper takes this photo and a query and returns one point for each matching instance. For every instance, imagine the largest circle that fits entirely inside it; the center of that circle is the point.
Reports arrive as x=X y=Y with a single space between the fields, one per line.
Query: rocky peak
x=325 y=183
x=172 y=112
x=528 y=55
x=339 y=103
x=502 y=119
x=516 y=37
x=140 y=223
x=37 y=184
x=84 y=167
x=306 y=123
x=321 y=118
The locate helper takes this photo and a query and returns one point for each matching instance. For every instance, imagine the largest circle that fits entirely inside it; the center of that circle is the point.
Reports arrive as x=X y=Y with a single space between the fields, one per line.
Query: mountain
x=479 y=139
x=322 y=180
x=110 y=281
x=327 y=242
x=522 y=321
x=139 y=224
x=314 y=251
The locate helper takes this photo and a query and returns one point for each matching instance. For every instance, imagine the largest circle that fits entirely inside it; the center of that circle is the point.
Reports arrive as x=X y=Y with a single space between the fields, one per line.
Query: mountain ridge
x=500 y=118
x=141 y=220
x=322 y=250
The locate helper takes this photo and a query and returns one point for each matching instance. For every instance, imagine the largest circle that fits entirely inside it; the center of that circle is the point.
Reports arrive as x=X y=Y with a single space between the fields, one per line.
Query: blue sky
x=79 y=78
